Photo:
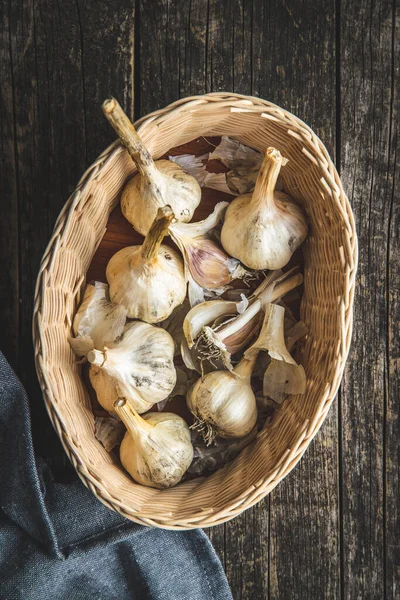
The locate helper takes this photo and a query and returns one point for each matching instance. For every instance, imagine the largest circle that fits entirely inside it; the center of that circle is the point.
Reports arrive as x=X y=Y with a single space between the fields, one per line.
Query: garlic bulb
x=208 y=268
x=283 y=376
x=221 y=341
x=148 y=280
x=156 y=184
x=223 y=402
x=263 y=229
x=139 y=366
x=98 y=321
x=156 y=450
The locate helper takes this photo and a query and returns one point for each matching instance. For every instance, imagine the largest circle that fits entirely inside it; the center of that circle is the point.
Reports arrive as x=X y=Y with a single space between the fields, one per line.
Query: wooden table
x=331 y=529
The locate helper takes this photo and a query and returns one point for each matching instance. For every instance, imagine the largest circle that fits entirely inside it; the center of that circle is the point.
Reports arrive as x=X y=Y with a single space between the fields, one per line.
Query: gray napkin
x=58 y=542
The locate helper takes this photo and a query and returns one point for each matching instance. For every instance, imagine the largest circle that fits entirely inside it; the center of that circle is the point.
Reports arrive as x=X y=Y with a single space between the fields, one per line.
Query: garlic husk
x=156 y=450
x=223 y=403
x=263 y=229
x=294 y=334
x=140 y=363
x=157 y=183
x=208 y=268
x=283 y=376
x=109 y=431
x=194 y=165
x=221 y=342
x=233 y=154
x=98 y=321
x=174 y=324
x=148 y=280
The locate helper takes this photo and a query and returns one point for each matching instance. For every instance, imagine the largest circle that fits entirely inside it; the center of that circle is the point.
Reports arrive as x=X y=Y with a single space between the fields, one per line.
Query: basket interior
x=311 y=179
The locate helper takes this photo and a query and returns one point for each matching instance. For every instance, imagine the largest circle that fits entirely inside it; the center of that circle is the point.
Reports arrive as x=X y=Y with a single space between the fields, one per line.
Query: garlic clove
x=221 y=342
x=203 y=314
x=208 y=268
x=157 y=183
x=263 y=229
x=156 y=450
x=148 y=280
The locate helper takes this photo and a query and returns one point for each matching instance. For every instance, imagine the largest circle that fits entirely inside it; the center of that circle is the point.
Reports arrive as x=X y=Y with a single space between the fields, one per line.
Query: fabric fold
x=58 y=541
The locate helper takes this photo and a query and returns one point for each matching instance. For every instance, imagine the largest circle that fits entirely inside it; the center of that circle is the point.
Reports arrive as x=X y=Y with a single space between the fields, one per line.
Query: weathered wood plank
x=9 y=237
x=63 y=64
x=370 y=437
x=392 y=431
x=293 y=55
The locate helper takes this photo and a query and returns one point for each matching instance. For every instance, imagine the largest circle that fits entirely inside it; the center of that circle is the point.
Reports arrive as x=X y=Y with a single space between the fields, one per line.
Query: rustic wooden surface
x=331 y=529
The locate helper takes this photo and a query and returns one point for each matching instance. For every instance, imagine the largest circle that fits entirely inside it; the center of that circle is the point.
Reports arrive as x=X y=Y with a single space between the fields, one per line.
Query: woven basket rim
x=240 y=103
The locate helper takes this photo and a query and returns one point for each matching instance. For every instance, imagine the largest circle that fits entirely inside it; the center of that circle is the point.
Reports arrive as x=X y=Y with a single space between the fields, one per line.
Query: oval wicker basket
x=330 y=255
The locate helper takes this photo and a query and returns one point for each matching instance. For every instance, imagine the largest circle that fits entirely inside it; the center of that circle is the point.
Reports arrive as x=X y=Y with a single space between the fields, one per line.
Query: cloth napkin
x=58 y=542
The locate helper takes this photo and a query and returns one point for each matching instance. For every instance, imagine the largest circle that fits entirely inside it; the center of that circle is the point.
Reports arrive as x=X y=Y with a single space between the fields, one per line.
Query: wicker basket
x=330 y=254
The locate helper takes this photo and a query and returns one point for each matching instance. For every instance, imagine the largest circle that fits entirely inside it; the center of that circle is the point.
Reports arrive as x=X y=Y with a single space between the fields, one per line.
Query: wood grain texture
x=58 y=66
x=370 y=442
x=292 y=52
x=332 y=527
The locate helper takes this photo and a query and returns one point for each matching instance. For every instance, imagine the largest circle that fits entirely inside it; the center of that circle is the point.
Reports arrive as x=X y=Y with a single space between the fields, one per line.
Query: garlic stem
x=280 y=289
x=96 y=358
x=245 y=368
x=131 y=140
x=267 y=178
x=156 y=234
x=128 y=415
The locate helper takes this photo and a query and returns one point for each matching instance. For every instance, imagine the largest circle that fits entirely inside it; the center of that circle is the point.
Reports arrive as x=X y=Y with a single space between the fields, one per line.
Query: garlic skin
x=157 y=183
x=263 y=229
x=223 y=403
x=283 y=375
x=156 y=450
x=140 y=365
x=98 y=321
x=148 y=280
x=108 y=390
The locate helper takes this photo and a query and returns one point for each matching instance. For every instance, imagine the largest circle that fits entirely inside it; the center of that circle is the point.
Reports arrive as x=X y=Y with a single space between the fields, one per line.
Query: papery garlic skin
x=140 y=362
x=148 y=280
x=97 y=321
x=156 y=450
x=263 y=229
x=176 y=188
x=224 y=403
x=149 y=292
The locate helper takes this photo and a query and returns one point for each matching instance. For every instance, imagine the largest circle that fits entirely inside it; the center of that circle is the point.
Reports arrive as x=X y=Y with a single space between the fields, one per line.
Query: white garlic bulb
x=223 y=403
x=98 y=321
x=148 y=280
x=156 y=184
x=139 y=366
x=207 y=266
x=263 y=229
x=156 y=450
